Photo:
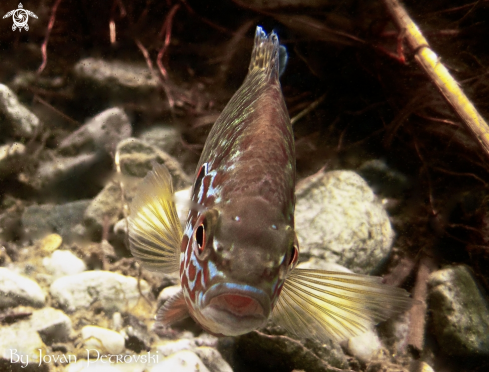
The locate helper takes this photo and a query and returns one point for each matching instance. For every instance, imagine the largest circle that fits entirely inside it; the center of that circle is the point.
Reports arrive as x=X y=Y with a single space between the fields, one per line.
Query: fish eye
x=200 y=237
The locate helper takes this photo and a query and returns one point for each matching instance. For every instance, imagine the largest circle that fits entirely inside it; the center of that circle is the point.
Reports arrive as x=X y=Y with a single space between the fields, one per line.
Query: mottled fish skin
x=245 y=183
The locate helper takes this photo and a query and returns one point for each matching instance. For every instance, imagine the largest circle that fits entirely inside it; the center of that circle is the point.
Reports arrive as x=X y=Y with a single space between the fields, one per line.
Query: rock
x=395 y=332
x=104 y=131
x=137 y=159
x=19 y=346
x=102 y=339
x=169 y=347
x=182 y=204
x=62 y=263
x=339 y=219
x=272 y=348
x=18 y=290
x=166 y=293
x=60 y=168
x=51 y=324
x=213 y=359
x=317 y=264
x=15 y=118
x=136 y=334
x=50 y=243
x=25 y=338
x=114 y=292
x=383 y=179
x=459 y=312
x=40 y=220
x=117 y=82
x=11 y=157
x=164 y=137
x=103 y=366
x=105 y=208
x=183 y=361
x=365 y=346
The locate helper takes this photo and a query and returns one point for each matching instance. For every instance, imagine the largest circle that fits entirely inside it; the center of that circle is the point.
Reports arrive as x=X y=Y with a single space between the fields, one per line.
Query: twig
x=44 y=46
x=166 y=31
x=307 y=110
x=440 y=76
x=417 y=313
x=49 y=106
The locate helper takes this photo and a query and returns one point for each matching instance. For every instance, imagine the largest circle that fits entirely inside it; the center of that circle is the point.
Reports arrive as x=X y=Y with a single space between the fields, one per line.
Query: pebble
x=102 y=132
x=339 y=219
x=364 y=347
x=116 y=76
x=169 y=347
x=53 y=325
x=16 y=341
x=25 y=337
x=62 y=263
x=182 y=203
x=163 y=137
x=183 y=361
x=11 y=158
x=383 y=179
x=40 y=220
x=114 y=292
x=15 y=118
x=105 y=208
x=288 y=353
x=137 y=158
x=50 y=243
x=102 y=339
x=61 y=168
x=166 y=293
x=459 y=311
x=18 y=290
x=212 y=359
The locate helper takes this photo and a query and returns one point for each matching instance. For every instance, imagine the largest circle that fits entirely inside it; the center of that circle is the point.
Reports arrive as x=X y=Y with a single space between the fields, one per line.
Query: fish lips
x=235 y=308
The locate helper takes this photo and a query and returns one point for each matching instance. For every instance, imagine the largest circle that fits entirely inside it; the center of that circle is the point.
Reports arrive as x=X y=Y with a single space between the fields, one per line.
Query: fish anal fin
x=172 y=311
x=333 y=305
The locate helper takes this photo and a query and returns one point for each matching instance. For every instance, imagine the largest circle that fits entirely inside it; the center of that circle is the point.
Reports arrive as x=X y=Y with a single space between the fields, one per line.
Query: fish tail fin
x=268 y=55
x=155 y=232
x=332 y=305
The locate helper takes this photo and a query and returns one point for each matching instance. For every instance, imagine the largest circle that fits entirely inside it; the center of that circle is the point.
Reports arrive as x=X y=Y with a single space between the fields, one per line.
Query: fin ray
x=155 y=232
x=333 y=305
x=265 y=56
x=172 y=311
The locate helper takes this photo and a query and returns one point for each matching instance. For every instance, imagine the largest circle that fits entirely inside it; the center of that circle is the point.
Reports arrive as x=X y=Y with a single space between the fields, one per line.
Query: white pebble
x=102 y=339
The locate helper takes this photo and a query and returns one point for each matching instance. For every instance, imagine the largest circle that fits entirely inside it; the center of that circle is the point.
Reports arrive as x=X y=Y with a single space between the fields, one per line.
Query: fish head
x=242 y=254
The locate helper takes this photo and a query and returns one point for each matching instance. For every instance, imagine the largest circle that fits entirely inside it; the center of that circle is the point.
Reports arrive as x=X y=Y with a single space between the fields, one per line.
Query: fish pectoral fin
x=155 y=232
x=172 y=311
x=334 y=305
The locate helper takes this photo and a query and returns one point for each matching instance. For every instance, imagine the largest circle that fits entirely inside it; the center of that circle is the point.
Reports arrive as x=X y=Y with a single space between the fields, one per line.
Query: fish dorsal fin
x=283 y=58
x=265 y=55
x=155 y=233
x=172 y=311
x=334 y=305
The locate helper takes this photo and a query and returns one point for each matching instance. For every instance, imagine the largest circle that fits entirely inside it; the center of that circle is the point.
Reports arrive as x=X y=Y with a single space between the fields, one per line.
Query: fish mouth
x=234 y=309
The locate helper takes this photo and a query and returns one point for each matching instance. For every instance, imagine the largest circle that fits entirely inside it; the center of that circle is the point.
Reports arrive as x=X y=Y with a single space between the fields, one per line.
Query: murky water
x=389 y=181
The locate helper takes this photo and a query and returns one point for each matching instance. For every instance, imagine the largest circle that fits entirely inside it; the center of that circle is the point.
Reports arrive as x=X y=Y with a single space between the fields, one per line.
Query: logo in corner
x=20 y=17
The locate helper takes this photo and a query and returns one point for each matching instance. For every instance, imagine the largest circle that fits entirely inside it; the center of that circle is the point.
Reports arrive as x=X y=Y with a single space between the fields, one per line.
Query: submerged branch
x=439 y=74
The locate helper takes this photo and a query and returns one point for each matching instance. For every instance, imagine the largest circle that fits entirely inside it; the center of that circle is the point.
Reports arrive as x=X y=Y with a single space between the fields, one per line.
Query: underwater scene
x=244 y=185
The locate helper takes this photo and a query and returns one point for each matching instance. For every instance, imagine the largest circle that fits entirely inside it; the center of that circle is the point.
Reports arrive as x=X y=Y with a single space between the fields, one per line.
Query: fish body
x=237 y=252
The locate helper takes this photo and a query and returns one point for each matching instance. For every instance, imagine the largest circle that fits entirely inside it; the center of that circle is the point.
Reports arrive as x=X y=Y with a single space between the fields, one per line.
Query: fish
x=237 y=252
